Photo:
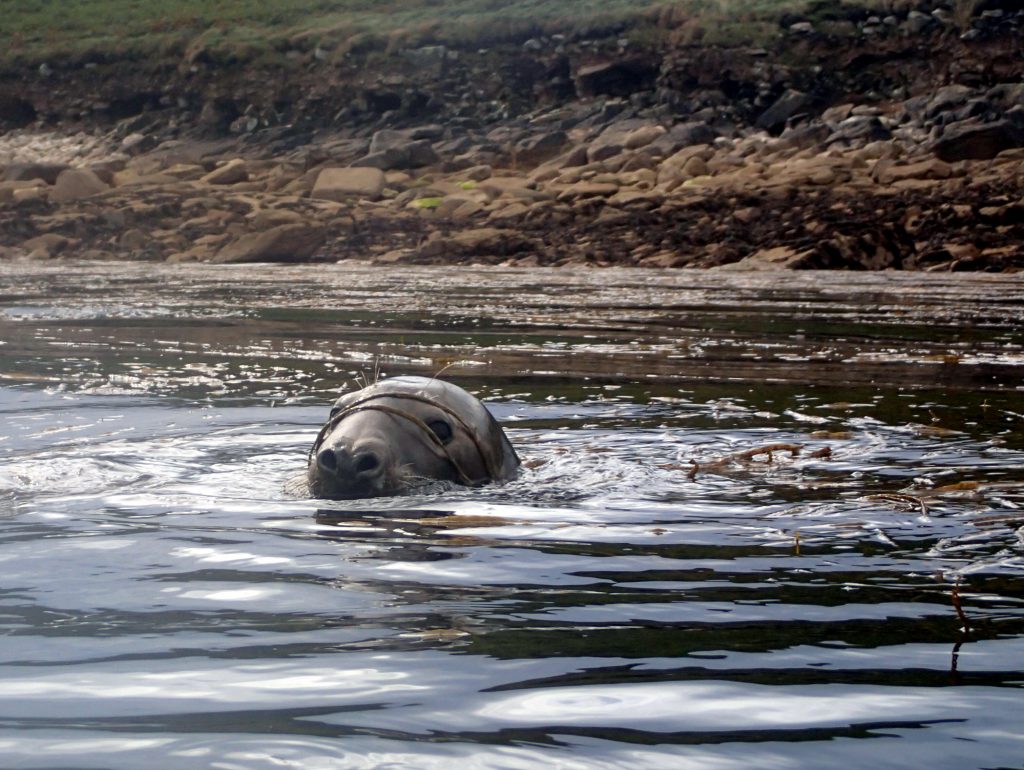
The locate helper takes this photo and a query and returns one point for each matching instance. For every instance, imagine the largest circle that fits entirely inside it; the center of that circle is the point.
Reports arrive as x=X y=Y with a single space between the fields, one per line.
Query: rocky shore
x=907 y=154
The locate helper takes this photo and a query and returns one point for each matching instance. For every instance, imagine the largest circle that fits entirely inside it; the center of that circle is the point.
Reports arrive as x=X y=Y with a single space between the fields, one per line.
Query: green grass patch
x=32 y=31
x=426 y=203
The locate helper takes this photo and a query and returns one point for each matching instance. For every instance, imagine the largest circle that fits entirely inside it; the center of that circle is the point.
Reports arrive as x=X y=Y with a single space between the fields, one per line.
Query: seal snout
x=361 y=465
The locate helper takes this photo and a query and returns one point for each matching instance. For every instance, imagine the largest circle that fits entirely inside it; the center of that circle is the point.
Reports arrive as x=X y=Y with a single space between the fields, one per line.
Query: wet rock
x=974 y=141
x=880 y=248
x=341 y=184
x=76 y=183
x=287 y=243
x=488 y=240
x=772 y=258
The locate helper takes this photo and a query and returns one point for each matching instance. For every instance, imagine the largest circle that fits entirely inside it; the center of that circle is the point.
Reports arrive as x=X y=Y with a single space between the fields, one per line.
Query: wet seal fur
x=403 y=433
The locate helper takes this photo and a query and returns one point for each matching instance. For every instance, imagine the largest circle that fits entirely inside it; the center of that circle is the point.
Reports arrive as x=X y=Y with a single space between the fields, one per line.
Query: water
x=164 y=603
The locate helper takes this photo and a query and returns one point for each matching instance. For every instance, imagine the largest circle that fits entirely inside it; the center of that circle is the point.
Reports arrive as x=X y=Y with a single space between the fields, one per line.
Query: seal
x=405 y=432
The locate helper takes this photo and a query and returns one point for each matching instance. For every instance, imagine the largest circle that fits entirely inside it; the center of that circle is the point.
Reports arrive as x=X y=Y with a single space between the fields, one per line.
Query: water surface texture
x=650 y=593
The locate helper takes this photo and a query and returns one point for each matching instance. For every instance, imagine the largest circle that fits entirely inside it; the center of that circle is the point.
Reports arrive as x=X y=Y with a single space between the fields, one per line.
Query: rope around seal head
x=434 y=442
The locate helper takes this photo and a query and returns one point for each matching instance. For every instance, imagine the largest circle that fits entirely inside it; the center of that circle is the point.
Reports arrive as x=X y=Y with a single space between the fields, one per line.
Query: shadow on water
x=657 y=589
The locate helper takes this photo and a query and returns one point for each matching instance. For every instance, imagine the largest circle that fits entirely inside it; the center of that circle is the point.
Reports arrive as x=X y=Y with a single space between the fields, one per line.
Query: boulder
x=287 y=243
x=341 y=184
x=75 y=183
x=977 y=141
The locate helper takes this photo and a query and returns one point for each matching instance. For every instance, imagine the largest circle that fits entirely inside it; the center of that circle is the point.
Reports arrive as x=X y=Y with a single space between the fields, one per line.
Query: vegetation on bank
x=36 y=31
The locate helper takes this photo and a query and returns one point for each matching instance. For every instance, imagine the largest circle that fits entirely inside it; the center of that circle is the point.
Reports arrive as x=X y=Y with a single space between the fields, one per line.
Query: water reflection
x=166 y=603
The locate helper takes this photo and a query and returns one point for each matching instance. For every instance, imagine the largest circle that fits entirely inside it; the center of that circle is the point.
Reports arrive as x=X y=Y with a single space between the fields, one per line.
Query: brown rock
x=341 y=184
x=641 y=137
x=76 y=183
x=775 y=258
x=679 y=159
x=588 y=190
x=133 y=240
x=468 y=209
x=695 y=166
x=507 y=215
x=477 y=173
x=972 y=141
x=45 y=246
x=929 y=168
x=267 y=218
x=26 y=196
x=287 y=243
x=7 y=189
x=637 y=200
x=231 y=172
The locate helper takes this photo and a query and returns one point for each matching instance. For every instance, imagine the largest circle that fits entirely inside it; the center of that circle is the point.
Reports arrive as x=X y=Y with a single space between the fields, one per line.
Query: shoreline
x=924 y=173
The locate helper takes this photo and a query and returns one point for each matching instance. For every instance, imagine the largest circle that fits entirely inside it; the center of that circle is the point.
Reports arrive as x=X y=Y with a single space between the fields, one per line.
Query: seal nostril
x=327 y=460
x=367 y=463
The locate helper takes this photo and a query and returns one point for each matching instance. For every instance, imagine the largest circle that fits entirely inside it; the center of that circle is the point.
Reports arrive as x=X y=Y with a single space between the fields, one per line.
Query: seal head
x=405 y=432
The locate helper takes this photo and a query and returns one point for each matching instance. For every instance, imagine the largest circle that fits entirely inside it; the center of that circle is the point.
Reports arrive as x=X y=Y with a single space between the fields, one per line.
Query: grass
x=33 y=31
x=36 y=30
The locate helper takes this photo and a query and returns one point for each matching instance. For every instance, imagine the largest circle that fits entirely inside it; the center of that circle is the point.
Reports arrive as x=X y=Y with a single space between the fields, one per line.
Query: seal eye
x=441 y=429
